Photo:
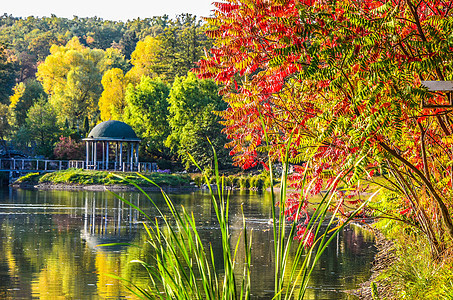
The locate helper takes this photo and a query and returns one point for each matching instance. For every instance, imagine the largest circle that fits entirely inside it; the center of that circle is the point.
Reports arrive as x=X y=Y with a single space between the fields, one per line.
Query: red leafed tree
x=341 y=82
x=69 y=149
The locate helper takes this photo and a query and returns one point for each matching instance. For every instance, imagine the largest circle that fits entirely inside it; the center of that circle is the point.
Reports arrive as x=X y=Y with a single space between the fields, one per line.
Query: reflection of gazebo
x=114 y=134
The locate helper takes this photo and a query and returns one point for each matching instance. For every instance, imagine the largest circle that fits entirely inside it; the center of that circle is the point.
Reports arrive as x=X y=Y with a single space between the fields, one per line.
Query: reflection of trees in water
x=11 y=265
x=345 y=264
x=43 y=255
x=44 y=270
x=49 y=249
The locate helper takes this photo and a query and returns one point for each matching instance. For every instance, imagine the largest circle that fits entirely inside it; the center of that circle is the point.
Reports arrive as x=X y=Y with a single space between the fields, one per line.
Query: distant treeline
x=59 y=77
x=29 y=39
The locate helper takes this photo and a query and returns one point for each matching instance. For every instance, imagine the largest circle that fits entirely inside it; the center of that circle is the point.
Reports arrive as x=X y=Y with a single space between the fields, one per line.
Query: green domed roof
x=112 y=130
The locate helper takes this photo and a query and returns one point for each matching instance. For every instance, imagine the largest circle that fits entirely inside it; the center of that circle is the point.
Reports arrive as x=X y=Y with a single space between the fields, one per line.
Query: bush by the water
x=252 y=182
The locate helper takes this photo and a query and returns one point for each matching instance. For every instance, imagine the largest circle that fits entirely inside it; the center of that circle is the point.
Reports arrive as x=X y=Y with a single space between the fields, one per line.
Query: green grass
x=409 y=269
x=88 y=177
x=414 y=274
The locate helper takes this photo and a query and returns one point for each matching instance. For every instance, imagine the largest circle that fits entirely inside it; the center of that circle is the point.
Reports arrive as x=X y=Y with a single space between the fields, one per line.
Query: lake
x=48 y=244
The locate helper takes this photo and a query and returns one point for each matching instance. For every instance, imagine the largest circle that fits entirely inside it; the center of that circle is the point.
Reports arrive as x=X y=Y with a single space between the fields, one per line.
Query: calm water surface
x=48 y=245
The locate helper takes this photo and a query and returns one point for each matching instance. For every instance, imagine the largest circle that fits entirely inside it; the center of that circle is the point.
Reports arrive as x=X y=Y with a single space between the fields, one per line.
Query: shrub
x=243 y=183
x=198 y=179
x=68 y=148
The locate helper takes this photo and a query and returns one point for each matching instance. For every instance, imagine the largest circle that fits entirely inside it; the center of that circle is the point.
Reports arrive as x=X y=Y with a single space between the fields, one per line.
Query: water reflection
x=49 y=240
x=106 y=223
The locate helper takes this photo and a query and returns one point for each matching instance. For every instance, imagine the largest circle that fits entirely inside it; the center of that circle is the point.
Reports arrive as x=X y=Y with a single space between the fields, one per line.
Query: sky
x=117 y=10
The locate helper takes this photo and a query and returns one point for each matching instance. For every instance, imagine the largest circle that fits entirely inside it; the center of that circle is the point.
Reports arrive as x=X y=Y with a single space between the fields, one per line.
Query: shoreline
x=100 y=187
x=374 y=288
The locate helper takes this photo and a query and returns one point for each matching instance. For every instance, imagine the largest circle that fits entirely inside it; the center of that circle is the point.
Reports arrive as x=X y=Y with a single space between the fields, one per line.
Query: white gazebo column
x=136 y=154
x=95 y=152
x=103 y=155
x=132 y=156
x=121 y=156
x=107 y=157
x=128 y=153
x=91 y=154
x=116 y=155
x=87 y=143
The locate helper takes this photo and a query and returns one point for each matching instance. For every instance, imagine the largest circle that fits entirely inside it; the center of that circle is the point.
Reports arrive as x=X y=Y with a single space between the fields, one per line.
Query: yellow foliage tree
x=72 y=75
x=112 y=101
x=19 y=90
x=144 y=59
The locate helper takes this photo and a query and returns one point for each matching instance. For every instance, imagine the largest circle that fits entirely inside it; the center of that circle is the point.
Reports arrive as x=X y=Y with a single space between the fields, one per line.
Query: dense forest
x=60 y=77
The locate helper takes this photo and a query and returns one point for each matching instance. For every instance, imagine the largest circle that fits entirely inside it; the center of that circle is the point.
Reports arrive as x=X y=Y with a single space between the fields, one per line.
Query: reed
x=182 y=268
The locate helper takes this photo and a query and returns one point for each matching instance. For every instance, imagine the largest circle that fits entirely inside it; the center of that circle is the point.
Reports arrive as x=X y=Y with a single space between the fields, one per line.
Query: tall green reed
x=182 y=268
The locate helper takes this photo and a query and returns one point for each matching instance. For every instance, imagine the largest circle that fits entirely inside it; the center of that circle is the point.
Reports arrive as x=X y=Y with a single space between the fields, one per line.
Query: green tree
x=171 y=49
x=86 y=126
x=192 y=103
x=115 y=59
x=182 y=44
x=4 y=125
x=26 y=94
x=43 y=127
x=72 y=75
x=8 y=71
x=147 y=112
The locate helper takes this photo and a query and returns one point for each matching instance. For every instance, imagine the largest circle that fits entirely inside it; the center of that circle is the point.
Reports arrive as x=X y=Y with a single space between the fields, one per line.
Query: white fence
x=11 y=164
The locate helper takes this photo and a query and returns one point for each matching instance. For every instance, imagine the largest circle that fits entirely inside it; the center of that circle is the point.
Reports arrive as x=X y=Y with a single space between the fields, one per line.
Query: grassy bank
x=91 y=177
x=408 y=270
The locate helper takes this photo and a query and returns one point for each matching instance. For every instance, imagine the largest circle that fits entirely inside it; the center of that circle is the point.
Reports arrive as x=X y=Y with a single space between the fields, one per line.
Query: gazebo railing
x=24 y=164
x=123 y=167
x=33 y=164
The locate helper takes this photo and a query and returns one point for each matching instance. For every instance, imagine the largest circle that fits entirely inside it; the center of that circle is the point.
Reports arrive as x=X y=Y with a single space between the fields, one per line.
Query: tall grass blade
x=183 y=268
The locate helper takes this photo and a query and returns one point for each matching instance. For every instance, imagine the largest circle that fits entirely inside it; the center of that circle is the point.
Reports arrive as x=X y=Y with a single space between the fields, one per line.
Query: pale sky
x=117 y=10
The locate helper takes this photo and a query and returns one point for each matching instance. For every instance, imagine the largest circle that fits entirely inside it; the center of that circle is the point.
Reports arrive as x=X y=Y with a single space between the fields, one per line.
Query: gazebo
x=116 y=136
